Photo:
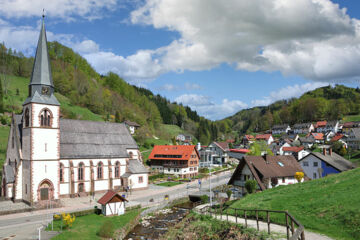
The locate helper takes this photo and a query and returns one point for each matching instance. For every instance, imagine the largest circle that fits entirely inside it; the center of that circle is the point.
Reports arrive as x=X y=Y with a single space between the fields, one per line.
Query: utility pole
x=210 y=181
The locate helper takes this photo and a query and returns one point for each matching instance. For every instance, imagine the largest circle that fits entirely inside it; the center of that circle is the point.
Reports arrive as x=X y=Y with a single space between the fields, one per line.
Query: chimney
x=324 y=151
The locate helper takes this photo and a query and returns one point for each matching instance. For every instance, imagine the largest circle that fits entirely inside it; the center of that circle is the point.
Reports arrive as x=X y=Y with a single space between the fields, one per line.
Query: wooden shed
x=112 y=204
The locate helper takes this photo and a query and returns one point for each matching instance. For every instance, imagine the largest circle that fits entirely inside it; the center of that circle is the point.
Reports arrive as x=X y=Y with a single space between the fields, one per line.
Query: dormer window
x=45 y=118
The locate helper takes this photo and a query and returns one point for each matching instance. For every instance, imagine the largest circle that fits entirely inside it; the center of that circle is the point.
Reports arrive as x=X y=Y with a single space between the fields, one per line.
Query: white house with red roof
x=297 y=152
x=181 y=160
x=112 y=204
x=268 y=138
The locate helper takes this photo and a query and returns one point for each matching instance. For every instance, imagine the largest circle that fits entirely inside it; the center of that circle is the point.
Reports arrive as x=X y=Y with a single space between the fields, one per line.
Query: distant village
x=271 y=158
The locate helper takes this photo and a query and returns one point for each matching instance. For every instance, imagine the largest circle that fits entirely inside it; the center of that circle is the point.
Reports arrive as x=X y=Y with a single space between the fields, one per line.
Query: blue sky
x=216 y=56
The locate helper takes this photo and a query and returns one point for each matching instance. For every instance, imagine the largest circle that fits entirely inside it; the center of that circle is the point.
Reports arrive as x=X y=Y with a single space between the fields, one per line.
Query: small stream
x=156 y=224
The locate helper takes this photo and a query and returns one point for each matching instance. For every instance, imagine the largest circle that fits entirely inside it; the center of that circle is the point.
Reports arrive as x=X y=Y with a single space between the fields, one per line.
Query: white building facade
x=49 y=158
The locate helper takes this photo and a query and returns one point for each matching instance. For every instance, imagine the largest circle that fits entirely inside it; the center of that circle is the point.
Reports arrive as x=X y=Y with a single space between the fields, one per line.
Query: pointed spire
x=41 y=74
x=41 y=87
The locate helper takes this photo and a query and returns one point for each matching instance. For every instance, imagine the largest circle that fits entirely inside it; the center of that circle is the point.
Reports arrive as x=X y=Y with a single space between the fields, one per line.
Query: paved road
x=24 y=225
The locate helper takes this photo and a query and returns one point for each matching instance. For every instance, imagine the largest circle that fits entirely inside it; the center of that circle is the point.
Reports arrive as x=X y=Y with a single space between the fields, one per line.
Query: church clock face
x=45 y=91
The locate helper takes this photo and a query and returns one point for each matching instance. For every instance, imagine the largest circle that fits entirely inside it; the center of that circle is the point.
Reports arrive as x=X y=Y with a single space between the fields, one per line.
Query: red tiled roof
x=108 y=196
x=321 y=124
x=292 y=149
x=249 y=137
x=263 y=136
x=337 y=137
x=318 y=136
x=230 y=141
x=348 y=124
x=240 y=150
x=184 y=150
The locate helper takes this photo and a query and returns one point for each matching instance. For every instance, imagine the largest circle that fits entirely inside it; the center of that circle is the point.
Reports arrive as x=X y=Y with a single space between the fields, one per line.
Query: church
x=49 y=157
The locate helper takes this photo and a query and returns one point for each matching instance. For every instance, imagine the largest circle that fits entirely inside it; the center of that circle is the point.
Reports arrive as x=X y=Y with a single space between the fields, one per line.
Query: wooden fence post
x=257 y=219
x=303 y=235
x=287 y=226
x=292 y=227
x=235 y=216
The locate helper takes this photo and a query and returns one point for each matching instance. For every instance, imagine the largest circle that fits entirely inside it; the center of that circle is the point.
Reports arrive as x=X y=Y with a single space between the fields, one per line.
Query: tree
x=117 y=117
x=258 y=148
x=250 y=186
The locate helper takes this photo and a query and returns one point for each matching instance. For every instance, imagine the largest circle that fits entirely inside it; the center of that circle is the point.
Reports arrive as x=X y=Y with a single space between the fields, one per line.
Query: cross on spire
x=43 y=15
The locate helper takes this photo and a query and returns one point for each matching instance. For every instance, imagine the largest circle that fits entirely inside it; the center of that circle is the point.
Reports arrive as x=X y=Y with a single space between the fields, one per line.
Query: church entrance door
x=45 y=190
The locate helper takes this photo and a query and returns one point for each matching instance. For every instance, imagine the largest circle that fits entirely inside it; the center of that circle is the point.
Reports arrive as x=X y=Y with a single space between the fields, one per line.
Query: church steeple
x=41 y=87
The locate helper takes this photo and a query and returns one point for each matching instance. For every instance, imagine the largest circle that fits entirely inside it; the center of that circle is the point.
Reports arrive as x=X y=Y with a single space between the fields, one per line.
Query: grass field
x=351 y=118
x=86 y=227
x=329 y=205
x=169 y=184
x=4 y=134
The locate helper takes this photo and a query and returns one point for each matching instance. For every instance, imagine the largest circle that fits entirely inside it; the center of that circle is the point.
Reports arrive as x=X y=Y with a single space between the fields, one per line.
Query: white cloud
x=64 y=9
x=311 y=38
x=205 y=107
x=187 y=86
x=86 y=46
x=287 y=93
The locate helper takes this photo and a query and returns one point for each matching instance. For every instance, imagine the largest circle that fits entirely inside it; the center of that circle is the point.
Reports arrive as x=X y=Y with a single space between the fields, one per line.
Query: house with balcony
x=214 y=154
x=266 y=171
x=353 y=140
x=346 y=127
x=181 y=160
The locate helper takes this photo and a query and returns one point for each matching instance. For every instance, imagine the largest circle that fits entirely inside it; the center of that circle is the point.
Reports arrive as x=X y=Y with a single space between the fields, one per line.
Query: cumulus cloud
x=287 y=93
x=205 y=107
x=64 y=9
x=311 y=38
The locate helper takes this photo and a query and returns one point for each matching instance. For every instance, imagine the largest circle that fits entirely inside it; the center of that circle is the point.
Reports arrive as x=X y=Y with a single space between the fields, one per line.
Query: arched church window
x=27 y=117
x=61 y=172
x=81 y=171
x=117 y=169
x=45 y=118
x=100 y=170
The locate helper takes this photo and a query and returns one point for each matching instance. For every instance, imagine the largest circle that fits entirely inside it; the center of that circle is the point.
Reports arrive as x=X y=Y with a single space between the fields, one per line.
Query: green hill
x=330 y=103
x=329 y=205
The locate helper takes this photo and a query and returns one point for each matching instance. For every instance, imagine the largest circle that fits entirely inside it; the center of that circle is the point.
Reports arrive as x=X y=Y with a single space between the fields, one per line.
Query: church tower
x=41 y=133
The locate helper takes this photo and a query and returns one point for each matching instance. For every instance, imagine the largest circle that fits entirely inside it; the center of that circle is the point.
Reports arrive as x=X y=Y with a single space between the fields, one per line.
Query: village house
x=238 y=153
x=49 y=158
x=339 y=137
x=279 y=129
x=264 y=169
x=320 y=126
x=297 y=152
x=184 y=138
x=132 y=126
x=307 y=141
x=353 y=140
x=268 y=138
x=214 y=154
x=318 y=137
x=346 y=128
x=303 y=128
x=181 y=160
x=317 y=165
x=248 y=139
x=112 y=204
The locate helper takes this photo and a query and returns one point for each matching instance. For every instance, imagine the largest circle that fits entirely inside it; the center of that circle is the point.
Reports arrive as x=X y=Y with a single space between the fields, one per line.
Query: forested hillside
x=109 y=96
x=330 y=103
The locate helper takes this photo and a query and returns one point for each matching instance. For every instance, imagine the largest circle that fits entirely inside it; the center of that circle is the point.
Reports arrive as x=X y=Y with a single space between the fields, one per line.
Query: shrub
x=250 y=186
x=204 y=199
x=228 y=193
x=106 y=230
x=299 y=176
x=68 y=220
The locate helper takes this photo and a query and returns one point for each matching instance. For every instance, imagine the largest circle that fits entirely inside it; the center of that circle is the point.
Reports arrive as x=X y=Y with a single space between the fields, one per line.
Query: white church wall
x=37 y=108
x=44 y=170
x=25 y=180
x=46 y=144
x=135 y=180
x=19 y=186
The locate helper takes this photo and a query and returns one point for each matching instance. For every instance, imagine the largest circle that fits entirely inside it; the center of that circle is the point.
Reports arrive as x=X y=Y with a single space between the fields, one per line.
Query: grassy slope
x=86 y=227
x=4 y=134
x=329 y=205
x=17 y=100
x=351 y=118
